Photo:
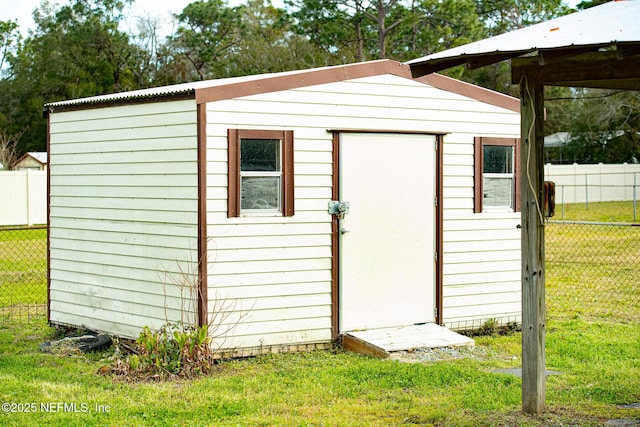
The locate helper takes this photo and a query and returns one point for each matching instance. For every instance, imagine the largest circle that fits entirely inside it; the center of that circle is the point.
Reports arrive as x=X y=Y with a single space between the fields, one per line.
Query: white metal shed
x=229 y=183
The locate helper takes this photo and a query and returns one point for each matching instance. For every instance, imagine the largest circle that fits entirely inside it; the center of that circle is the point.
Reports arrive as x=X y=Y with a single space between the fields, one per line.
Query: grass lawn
x=600 y=363
x=598 y=354
x=593 y=270
x=23 y=266
x=599 y=212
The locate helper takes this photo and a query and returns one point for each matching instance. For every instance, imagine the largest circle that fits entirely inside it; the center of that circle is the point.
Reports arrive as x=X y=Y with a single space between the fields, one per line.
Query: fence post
x=634 y=196
x=562 y=195
x=599 y=186
x=575 y=183
x=586 y=191
x=28 y=196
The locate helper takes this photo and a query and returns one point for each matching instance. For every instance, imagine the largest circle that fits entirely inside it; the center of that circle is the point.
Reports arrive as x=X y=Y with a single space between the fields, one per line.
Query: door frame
x=335 y=226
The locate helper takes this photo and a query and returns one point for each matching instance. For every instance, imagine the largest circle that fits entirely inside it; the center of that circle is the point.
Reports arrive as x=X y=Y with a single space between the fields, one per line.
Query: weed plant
x=174 y=351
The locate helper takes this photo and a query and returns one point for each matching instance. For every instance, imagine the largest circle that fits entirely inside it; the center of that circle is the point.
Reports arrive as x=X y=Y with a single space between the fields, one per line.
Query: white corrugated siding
x=123 y=214
x=482 y=260
x=277 y=271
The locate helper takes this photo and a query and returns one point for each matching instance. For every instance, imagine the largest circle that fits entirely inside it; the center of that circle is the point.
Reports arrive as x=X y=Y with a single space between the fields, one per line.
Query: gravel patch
x=419 y=355
x=624 y=422
x=630 y=406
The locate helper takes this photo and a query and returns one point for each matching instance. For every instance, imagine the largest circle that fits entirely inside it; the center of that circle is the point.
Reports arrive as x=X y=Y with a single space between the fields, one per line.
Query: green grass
x=23 y=266
x=593 y=338
x=600 y=364
x=592 y=270
x=598 y=212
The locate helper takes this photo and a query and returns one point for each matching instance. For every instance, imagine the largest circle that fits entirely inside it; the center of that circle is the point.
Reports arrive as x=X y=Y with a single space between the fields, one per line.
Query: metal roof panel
x=609 y=23
x=191 y=88
x=155 y=92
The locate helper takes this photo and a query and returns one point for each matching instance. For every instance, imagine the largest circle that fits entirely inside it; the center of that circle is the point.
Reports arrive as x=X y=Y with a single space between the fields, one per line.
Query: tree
x=79 y=49
x=356 y=29
x=10 y=40
x=76 y=50
x=430 y=26
x=590 y=3
x=84 y=47
x=330 y=27
x=268 y=45
x=603 y=125
x=9 y=148
x=379 y=12
x=501 y=16
x=207 y=32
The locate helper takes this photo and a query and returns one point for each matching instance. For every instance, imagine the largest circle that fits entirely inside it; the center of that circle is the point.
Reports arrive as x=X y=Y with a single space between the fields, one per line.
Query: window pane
x=260 y=192
x=498 y=192
x=498 y=159
x=260 y=155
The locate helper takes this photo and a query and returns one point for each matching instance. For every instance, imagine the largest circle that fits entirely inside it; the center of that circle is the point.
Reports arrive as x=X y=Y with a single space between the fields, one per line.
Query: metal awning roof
x=609 y=33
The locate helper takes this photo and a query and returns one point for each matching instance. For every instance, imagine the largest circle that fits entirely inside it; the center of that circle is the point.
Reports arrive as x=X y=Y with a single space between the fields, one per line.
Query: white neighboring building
x=32 y=160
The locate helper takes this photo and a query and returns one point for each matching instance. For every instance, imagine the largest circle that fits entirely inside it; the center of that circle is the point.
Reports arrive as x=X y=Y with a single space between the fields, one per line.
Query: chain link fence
x=592 y=270
x=23 y=273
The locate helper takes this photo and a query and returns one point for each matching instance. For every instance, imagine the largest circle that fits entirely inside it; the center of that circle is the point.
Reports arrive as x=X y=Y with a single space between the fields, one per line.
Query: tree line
x=83 y=48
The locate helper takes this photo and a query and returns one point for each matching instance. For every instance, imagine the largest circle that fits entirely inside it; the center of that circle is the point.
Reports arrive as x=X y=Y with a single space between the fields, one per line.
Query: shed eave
x=612 y=24
x=115 y=100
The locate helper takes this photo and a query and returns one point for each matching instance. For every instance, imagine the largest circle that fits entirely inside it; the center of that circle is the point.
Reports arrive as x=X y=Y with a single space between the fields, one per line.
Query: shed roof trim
x=611 y=23
x=227 y=88
x=472 y=91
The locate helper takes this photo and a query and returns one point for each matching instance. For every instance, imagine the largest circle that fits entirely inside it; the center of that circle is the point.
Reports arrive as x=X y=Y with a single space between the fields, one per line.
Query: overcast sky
x=21 y=10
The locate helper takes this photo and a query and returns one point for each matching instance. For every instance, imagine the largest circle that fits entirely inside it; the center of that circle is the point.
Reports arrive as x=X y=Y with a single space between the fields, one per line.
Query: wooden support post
x=533 y=295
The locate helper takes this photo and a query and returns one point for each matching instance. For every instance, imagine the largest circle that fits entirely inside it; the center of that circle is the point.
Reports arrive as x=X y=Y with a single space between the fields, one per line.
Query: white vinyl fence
x=23 y=194
x=594 y=183
x=23 y=197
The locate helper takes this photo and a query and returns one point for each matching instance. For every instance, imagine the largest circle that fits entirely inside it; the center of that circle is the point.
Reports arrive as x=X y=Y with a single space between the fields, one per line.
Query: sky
x=22 y=10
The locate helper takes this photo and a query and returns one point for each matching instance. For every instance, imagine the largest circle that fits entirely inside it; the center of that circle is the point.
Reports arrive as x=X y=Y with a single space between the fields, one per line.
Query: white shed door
x=387 y=239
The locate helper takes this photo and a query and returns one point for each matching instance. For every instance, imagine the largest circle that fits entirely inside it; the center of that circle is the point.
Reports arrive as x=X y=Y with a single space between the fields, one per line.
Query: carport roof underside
x=597 y=48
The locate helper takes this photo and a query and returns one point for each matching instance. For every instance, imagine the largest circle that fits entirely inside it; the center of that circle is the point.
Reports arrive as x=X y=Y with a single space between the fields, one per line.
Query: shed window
x=496 y=175
x=260 y=172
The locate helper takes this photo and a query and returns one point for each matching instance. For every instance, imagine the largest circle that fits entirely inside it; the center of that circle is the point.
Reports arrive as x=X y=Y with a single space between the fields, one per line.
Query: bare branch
x=9 y=147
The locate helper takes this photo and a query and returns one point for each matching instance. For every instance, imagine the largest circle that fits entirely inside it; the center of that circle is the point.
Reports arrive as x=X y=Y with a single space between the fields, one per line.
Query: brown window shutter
x=233 y=175
x=288 y=175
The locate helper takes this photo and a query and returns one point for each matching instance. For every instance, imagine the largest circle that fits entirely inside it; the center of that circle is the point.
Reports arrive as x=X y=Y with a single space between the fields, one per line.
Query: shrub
x=175 y=350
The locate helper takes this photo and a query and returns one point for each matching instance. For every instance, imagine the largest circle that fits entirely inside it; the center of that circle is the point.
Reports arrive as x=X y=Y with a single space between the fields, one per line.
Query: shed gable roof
x=228 y=88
